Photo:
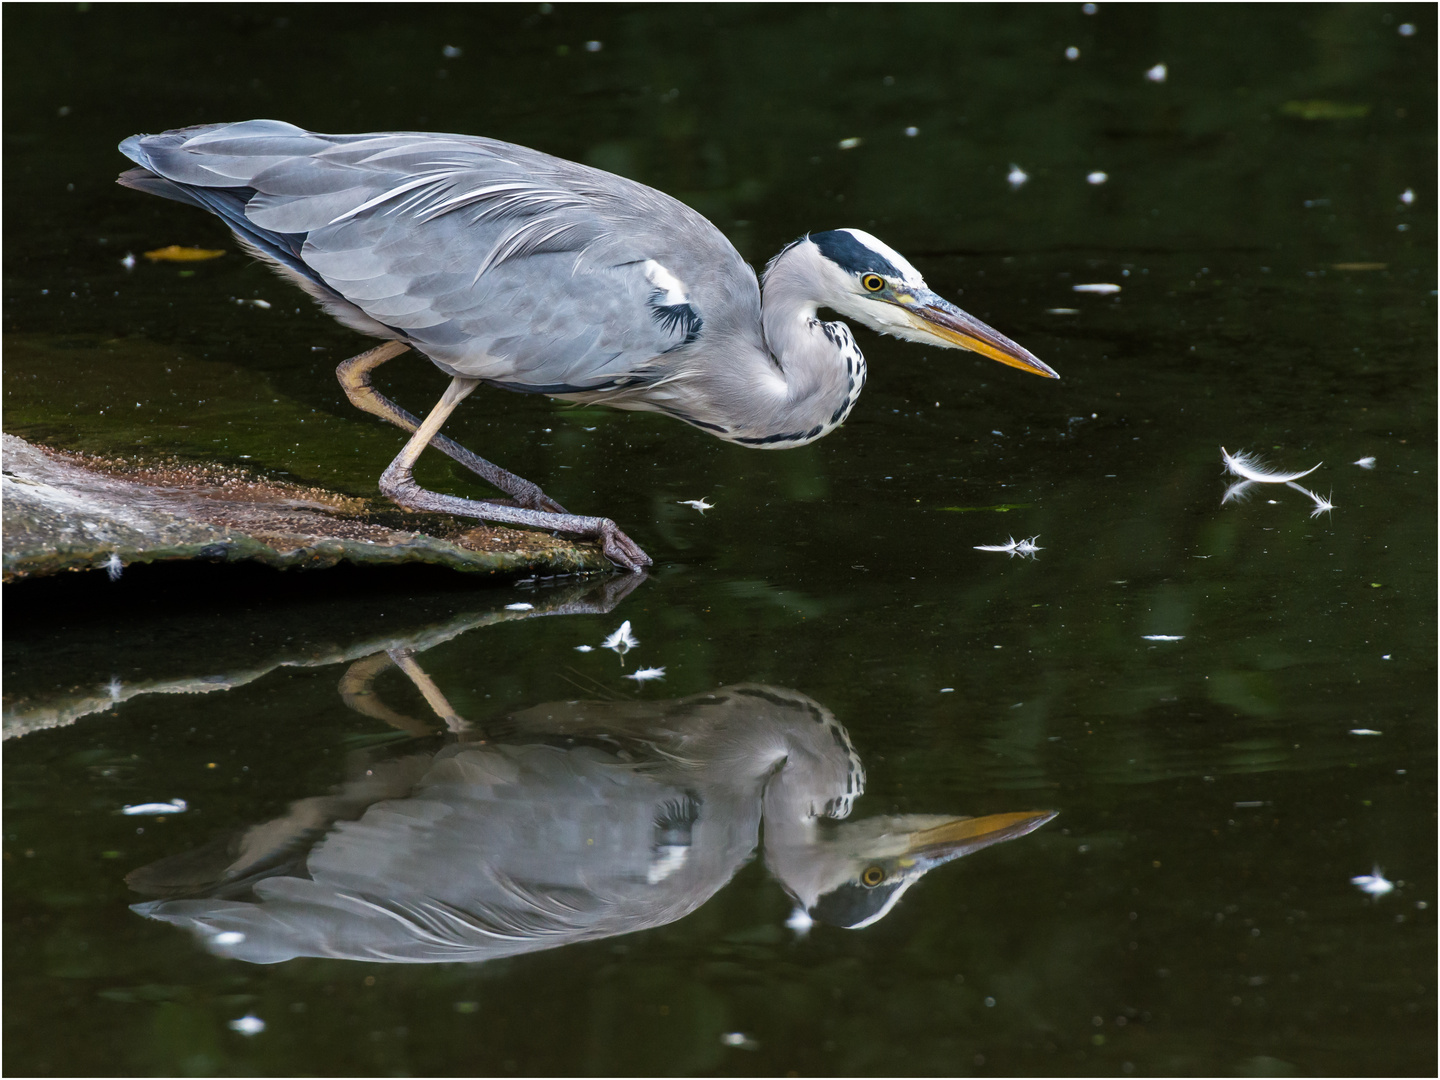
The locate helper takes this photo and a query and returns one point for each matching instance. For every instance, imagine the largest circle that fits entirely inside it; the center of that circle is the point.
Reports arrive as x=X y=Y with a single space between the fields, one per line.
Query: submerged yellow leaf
x=176 y=253
x=1324 y=110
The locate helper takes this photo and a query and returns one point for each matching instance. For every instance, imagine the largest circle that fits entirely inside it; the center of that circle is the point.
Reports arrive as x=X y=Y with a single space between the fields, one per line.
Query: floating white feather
x=174 y=806
x=622 y=640
x=739 y=1040
x=1250 y=467
x=248 y=1025
x=1024 y=548
x=1376 y=884
x=1323 y=505
x=800 y=922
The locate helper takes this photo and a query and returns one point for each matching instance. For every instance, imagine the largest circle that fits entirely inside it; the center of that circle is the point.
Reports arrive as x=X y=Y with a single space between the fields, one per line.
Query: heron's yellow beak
x=961 y=836
x=938 y=318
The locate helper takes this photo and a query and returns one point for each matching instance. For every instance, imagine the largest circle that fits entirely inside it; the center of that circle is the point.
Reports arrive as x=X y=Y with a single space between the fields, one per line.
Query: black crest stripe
x=841 y=248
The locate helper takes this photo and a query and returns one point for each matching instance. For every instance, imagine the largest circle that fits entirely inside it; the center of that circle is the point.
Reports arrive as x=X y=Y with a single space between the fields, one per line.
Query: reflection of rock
x=53 y=677
x=568 y=822
x=64 y=512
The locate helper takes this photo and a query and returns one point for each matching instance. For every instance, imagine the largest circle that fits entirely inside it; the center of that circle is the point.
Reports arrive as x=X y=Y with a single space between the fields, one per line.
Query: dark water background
x=1189 y=911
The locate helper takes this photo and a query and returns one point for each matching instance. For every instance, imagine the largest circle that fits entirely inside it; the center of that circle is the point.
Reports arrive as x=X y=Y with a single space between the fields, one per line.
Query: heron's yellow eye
x=873 y=282
x=872 y=876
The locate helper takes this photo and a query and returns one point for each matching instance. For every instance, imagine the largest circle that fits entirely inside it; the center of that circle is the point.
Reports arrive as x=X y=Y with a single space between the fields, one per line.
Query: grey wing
x=497 y=262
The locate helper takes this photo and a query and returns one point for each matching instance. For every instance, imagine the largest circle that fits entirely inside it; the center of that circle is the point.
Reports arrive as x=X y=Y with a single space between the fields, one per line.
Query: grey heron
x=510 y=268
x=569 y=821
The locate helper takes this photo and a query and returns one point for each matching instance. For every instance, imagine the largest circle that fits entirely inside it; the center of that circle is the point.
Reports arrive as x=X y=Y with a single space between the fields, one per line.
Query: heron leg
x=357 y=691
x=398 y=482
x=404 y=659
x=354 y=375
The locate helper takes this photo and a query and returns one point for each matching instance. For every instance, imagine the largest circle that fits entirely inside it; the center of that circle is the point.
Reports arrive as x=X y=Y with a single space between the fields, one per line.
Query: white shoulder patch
x=666 y=282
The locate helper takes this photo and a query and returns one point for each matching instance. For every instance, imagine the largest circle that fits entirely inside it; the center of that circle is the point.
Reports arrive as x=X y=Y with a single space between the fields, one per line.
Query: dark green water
x=1189 y=910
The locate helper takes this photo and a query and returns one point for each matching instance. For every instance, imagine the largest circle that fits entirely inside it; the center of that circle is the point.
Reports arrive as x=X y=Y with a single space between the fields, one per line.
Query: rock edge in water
x=71 y=512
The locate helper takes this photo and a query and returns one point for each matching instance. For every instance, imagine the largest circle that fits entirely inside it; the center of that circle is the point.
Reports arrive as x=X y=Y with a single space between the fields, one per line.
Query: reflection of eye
x=872 y=876
x=873 y=282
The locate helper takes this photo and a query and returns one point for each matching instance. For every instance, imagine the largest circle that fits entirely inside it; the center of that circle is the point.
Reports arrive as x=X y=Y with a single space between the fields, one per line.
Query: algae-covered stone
x=76 y=512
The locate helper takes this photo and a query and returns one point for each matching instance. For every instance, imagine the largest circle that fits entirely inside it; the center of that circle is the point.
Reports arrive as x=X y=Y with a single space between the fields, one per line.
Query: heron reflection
x=566 y=822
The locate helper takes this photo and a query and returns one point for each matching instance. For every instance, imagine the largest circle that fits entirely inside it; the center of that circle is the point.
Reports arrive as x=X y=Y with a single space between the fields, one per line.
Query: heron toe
x=620 y=549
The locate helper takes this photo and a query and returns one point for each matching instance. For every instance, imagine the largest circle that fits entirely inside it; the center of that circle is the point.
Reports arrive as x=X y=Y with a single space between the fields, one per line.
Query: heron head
x=871 y=282
x=855 y=876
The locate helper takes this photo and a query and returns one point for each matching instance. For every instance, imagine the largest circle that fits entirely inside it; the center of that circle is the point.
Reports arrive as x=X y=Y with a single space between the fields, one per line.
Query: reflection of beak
x=937 y=317
x=961 y=836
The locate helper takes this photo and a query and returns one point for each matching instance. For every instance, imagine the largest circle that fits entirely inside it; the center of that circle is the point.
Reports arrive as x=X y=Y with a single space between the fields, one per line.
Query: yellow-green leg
x=398 y=482
x=354 y=375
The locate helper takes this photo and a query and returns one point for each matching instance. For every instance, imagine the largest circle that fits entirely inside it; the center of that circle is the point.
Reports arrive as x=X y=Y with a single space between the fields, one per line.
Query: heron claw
x=620 y=549
x=541 y=501
x=530 y=497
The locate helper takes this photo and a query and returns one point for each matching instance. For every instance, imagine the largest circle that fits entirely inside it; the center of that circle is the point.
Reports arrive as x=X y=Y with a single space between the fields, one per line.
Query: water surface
x=1180 y=680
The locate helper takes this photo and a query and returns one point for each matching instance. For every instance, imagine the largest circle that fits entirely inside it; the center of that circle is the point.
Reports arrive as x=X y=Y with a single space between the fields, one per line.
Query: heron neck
x=819 y=370
x=788 y=316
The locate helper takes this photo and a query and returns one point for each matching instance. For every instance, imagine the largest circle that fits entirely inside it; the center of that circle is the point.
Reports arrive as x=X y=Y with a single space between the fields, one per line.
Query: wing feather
x=498 y=262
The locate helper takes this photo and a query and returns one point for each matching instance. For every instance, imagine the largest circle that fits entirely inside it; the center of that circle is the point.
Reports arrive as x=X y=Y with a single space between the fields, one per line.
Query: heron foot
x=398 y=482
x=620 y=549
x=614 y=544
